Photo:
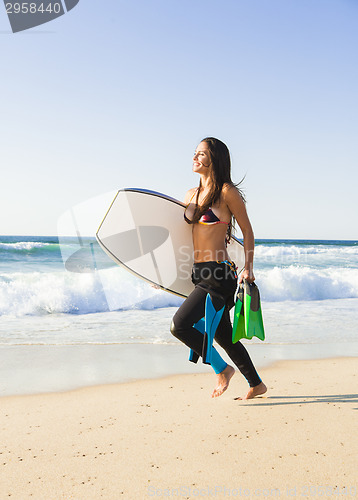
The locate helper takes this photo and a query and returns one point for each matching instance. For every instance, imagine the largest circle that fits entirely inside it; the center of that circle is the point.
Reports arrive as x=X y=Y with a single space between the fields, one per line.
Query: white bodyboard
x=145 y=232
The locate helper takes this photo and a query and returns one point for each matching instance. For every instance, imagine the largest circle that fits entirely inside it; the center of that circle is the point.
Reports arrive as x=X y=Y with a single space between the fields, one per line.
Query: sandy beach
x=167 y=438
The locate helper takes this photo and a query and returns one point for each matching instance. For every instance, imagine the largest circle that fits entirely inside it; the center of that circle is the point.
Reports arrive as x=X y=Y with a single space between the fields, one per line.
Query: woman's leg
x=236 y=352
x=189 y=313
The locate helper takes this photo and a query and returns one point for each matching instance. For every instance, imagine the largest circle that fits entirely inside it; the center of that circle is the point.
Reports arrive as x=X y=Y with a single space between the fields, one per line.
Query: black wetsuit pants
x=220 y=281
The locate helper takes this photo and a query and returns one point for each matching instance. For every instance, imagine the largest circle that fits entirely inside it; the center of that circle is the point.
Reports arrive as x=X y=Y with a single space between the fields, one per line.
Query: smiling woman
x=217 y=202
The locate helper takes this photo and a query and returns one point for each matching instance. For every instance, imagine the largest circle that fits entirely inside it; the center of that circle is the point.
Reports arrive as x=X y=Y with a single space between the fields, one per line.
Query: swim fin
x=207 y=326
x=248 y=321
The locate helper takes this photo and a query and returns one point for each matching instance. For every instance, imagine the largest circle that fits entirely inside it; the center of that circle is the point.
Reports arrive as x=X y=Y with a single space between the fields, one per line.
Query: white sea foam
x=274 y=251
x=115 y=289
x=305 y=283
x=61 y=292
x=41 y=303
x=24 y=245
x=315 y=255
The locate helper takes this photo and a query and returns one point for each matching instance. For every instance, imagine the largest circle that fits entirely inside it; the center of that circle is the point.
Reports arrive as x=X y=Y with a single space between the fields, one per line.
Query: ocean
x=309 y=293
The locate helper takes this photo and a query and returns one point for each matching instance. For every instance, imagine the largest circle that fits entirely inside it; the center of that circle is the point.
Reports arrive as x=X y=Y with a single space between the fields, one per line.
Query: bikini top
x=207 y=218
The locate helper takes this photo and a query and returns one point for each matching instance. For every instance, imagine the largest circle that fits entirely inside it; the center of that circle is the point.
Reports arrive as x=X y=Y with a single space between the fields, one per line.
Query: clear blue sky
x=118 y=94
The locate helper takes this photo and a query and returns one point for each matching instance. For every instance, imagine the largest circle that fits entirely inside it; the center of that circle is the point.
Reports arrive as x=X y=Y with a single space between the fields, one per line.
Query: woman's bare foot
x=223 y=381
x=255 y=391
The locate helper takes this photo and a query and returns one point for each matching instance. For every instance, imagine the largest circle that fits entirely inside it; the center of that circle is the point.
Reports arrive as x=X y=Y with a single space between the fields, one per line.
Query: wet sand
x=31 y=369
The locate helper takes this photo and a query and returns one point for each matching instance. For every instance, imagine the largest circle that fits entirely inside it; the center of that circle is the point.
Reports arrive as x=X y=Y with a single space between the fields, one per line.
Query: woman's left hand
x=247 y=275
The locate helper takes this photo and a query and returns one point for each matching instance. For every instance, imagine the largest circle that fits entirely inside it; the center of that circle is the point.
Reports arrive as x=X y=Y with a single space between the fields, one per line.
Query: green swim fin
x=248 y=321
x=238 y=328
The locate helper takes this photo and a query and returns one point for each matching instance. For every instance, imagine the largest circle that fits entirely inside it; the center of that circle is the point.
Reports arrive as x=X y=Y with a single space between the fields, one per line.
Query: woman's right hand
x=247 y=275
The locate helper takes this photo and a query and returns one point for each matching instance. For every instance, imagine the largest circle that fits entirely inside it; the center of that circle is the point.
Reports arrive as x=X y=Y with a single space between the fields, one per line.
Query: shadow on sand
x=300 y=400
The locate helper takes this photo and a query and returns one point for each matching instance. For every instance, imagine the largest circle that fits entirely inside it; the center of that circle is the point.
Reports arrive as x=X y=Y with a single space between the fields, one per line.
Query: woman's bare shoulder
x=229 y=191
x=231 y=194
x=189 y=195
x=228 y=188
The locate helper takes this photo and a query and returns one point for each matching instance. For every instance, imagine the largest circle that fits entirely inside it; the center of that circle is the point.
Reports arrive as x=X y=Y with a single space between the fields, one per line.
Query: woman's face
x=201 y=159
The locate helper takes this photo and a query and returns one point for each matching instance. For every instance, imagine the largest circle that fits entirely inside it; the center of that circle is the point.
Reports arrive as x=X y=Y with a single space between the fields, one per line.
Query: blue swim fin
x=248 y=321
x=207 y=326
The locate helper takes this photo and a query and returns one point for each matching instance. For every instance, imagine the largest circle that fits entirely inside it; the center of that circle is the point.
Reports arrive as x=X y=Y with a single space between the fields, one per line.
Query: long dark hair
x=220 y=174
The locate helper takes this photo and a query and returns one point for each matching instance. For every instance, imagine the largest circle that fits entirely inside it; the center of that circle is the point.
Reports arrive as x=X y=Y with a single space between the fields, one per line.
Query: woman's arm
x=237 y=207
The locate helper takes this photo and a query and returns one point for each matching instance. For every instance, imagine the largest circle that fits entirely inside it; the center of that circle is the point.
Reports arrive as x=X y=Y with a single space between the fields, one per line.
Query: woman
x=210 y=208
